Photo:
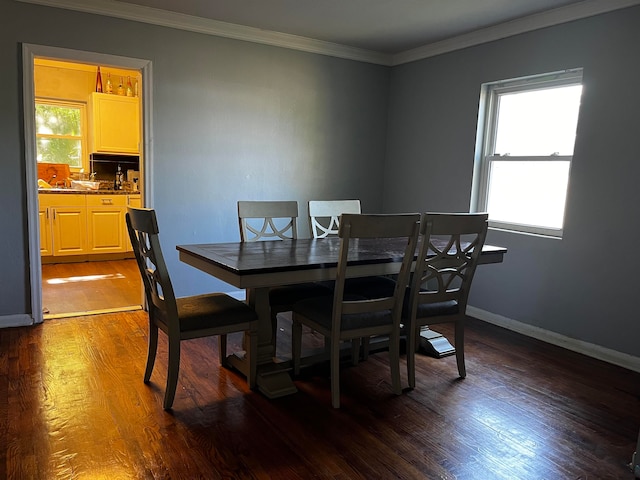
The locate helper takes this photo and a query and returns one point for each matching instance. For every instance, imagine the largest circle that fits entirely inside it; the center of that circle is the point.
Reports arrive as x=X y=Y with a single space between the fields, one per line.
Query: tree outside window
x=60 y=133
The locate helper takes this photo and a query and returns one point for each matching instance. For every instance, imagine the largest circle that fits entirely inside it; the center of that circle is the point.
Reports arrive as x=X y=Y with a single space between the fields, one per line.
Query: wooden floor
x=72 y=289
x=73 y=405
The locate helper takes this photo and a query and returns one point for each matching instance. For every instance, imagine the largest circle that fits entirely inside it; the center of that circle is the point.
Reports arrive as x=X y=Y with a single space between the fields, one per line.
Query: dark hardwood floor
x=73 y=405
x=72 y=289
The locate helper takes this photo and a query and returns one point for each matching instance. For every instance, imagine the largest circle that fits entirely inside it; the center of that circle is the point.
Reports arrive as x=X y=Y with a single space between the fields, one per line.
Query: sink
x=84 y=185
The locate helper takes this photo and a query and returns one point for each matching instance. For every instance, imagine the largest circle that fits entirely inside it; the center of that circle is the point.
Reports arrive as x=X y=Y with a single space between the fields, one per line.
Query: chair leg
x=252 y=357
x=335 y=373
x=459 y=336
x=394 y=362
x=365 y=347
x=222 y=350
x=172 y=372
x=413 y=334
x=296 y=344
x=151 y=352
x=355 y=351
x=274 y=326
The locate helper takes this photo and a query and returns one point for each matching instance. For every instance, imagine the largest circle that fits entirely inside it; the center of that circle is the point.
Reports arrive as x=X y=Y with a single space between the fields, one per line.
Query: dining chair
x=451 y=244
x=324 y=215
x=343 y=316
x=276 y=220
x=186 y=317
x=324 y=221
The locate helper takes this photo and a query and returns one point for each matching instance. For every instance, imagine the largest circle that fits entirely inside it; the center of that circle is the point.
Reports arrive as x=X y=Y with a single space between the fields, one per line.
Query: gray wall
x=583 y=285
x=232 y=120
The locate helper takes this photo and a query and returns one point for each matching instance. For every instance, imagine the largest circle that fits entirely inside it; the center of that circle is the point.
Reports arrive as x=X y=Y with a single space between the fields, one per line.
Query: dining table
x=258 y=266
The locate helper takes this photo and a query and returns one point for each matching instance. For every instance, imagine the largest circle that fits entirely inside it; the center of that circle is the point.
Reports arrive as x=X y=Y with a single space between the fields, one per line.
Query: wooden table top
x=250 y=258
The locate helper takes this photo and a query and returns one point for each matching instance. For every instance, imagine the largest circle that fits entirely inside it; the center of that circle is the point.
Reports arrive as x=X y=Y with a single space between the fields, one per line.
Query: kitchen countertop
x=88 y=192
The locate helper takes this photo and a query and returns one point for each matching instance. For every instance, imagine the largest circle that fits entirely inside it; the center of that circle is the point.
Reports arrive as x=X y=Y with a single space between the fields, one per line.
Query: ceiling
x=388 y=32
x=386 y=26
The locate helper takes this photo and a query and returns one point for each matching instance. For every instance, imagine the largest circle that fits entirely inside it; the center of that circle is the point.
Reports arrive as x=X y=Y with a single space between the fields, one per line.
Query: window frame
x=487 y=135
x=82 y=106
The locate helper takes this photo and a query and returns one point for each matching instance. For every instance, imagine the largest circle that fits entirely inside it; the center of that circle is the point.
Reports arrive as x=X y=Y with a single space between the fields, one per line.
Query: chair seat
x=290 y=294
x=369 y=287
x=212 y=310
x=429 y=309
x=319 y=310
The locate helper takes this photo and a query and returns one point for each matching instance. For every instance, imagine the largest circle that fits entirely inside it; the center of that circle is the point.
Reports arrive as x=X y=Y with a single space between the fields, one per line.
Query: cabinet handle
x=107 y=201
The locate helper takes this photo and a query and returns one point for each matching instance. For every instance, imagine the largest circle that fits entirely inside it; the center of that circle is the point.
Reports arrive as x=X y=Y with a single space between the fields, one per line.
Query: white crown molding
x=589 y=349
x=206 y=26
x=191 y=23
x=565 y=14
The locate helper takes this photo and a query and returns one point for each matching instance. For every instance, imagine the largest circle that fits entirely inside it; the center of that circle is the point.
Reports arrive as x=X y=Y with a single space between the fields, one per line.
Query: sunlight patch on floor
x=84 y=278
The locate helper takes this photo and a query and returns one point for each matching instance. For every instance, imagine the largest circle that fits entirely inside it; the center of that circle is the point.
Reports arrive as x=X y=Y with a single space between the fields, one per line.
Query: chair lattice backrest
x=324 y=215
x=143 y=232
x=267 y=220
x=353 y=228
x=448 y=257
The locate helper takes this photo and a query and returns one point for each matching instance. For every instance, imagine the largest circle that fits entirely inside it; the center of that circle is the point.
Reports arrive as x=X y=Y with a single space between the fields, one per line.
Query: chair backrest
x=324 y=215
x=143 y=232
x=357 y=230
x=267 y=220
x=448 y=257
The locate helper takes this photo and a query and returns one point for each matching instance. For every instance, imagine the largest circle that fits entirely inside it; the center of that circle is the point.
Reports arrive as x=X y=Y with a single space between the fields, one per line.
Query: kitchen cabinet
x=136 y=202
x=106 y=230
x=64 y=223
x=115 y=124
x=46 y=241
x=84 y=224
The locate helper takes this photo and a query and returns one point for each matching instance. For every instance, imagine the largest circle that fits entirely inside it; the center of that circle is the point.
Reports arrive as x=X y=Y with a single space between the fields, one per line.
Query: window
x=528 y=130
x=60 y=133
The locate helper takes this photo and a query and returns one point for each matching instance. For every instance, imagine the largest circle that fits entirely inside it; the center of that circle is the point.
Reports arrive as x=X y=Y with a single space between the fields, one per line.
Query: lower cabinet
x=64 y=223
x=106 y=232
x=84 y=224
x=136 y=202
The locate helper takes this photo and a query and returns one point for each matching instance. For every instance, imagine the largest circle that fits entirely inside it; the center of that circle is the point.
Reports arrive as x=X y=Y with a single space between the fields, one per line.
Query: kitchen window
x=527 y=131
x=61 y=133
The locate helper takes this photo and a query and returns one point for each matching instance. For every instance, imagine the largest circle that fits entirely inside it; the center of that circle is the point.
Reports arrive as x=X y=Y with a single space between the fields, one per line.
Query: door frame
x=29 y=53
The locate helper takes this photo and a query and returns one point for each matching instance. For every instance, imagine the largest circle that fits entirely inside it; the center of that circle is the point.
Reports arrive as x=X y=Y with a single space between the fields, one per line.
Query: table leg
x=273 y=380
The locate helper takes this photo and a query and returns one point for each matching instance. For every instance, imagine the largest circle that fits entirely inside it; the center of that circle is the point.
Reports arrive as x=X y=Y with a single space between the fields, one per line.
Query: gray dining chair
x=324 y=215
x=451 y=244
x=276 y=220
x=345 y=317
x=186 y=317
x=324 y=221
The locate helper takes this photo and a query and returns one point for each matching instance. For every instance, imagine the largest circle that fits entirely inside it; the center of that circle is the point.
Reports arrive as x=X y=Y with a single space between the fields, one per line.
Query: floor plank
x=73 y=405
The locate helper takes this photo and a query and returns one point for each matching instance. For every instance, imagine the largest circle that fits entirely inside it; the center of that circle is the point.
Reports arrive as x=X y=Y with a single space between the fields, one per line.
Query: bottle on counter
x=98 y=81
x=119 y=181
x=129 y=88
x=108 y=88
x=120 y=88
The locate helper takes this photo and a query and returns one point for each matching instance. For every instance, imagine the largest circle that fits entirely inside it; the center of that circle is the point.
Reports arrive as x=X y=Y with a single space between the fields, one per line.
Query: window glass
x=59 y=134
x=538 y=122
x=528 y=193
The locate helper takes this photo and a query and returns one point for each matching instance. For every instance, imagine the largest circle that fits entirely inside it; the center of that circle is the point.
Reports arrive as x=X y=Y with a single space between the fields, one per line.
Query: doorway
x=84 y=287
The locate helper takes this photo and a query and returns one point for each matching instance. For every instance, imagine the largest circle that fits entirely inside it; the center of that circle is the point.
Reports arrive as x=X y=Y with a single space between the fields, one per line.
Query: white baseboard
x=591 y=350
x=22 y=320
